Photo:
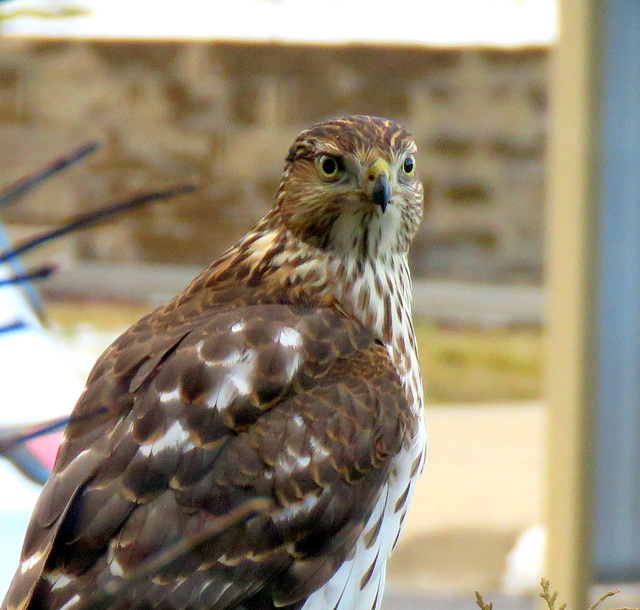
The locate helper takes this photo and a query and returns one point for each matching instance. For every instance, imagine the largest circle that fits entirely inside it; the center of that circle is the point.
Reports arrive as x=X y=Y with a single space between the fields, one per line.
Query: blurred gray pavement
x=396 y=600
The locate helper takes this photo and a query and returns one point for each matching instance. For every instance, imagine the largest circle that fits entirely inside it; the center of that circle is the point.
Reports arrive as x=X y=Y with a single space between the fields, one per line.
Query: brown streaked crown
x=351 y=135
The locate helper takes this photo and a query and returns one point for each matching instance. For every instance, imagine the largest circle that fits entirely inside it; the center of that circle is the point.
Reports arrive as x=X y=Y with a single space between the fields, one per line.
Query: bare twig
x=89 y=219
x=11 y=326
x=23 y=185
x=481 y=604
x=602 y=598
x=550 y=598
x=38 y=273
x=9 y=440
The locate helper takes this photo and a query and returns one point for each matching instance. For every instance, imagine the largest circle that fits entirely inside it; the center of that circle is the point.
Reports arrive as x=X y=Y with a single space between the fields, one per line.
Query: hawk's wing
x=299 y=407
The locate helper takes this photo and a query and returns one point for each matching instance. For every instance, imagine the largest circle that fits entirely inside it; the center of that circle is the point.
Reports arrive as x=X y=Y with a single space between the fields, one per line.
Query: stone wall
x=227 y=113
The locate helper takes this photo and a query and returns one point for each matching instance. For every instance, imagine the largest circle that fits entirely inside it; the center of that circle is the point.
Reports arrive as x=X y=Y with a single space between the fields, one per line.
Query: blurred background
x=216 y=92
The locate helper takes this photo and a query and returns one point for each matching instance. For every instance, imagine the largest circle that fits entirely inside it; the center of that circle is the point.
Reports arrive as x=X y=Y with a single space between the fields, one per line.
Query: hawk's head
x=350 y=185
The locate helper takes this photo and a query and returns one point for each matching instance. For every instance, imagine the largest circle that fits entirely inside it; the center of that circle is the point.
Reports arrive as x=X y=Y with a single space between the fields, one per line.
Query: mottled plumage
x=274 y=405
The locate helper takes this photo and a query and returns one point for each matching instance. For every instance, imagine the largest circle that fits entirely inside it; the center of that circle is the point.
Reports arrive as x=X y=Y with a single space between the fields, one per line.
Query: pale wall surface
x=482 y=487
x=227 y=113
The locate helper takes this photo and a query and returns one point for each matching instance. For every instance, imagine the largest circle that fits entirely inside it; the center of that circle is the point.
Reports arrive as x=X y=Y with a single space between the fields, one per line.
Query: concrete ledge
x=487 y=304
x=455 y=302
x=398 y=600
x=130 y=282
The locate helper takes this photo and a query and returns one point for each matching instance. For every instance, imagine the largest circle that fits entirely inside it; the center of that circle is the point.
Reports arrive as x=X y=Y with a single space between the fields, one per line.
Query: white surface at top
x=37 y=381
x=437 y=23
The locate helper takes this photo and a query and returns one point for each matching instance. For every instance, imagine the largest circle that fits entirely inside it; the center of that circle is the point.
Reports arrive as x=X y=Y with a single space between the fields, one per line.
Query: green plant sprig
x=551 y=599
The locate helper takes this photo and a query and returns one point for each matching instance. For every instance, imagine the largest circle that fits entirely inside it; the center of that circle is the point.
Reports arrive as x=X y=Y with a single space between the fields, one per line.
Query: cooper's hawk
x=275 y=404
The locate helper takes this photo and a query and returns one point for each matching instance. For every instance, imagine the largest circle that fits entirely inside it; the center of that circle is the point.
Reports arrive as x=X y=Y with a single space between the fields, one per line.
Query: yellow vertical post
x=570 y=232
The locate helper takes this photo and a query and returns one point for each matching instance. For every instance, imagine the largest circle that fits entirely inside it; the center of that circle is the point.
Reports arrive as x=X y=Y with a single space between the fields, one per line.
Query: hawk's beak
x=379 y=177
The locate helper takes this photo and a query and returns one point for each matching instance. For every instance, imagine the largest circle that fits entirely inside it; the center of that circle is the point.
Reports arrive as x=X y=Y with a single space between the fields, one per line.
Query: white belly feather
x=357 y=585
x=344 y=591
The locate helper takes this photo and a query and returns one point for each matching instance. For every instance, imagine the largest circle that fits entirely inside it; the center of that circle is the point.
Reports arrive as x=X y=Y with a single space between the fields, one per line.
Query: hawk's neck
x=277 y=266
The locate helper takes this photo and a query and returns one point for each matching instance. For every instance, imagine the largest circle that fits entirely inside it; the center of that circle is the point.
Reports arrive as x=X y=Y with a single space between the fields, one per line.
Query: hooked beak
x=381 y=191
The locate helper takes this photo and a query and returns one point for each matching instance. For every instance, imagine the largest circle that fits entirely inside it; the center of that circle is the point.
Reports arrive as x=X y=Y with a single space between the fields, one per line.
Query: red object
x=45 y=448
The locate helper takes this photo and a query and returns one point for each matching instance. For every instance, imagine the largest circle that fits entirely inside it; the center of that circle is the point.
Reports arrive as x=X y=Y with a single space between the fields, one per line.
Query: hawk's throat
x=371 y=284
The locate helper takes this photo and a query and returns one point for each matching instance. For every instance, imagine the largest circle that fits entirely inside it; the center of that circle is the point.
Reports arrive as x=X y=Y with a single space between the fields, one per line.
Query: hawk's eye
x=409 y=165
x=329 y=167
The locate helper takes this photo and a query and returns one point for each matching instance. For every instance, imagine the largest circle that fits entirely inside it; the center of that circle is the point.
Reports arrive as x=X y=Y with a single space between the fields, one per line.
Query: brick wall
x=227 y=113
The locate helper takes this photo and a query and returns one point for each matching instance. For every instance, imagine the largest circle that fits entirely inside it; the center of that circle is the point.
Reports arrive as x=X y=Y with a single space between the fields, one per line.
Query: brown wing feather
x=298 y=406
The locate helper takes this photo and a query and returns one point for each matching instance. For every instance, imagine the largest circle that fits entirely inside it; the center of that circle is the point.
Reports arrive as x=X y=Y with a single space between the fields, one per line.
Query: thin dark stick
x=12 y=440
x=21 y=187
x=89 y=219
x=12 y=192
x=15 y=325
x=30 y=291
x=39 y=273
x=114 y=589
